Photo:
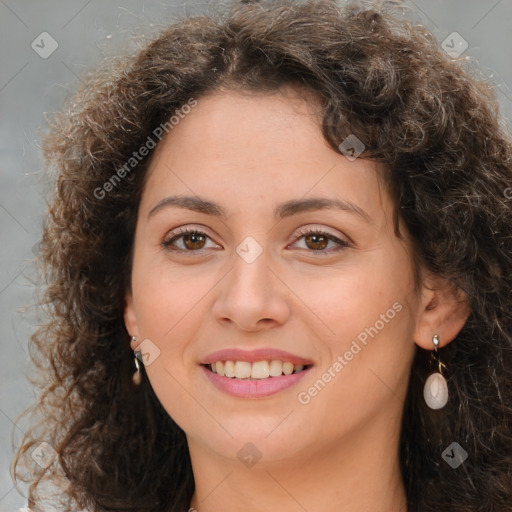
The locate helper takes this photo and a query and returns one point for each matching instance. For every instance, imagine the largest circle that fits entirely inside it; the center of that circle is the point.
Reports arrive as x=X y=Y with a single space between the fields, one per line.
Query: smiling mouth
x=259 y=370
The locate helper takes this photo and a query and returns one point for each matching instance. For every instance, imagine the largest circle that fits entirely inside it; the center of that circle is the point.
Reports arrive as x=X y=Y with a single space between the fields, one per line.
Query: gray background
x=86 y=31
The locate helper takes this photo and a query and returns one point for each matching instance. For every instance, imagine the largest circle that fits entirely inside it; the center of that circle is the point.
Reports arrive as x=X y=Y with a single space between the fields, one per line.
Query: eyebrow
x=283 y=210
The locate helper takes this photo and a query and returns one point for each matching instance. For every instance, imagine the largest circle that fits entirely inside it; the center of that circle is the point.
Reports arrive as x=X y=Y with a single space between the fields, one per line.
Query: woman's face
x=290 y=256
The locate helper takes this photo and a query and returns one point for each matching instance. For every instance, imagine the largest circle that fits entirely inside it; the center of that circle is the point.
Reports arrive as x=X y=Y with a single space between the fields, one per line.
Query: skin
x=339 y=452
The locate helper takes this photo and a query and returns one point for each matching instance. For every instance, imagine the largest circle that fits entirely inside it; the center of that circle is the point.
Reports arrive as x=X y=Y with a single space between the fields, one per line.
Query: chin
x=267 y=435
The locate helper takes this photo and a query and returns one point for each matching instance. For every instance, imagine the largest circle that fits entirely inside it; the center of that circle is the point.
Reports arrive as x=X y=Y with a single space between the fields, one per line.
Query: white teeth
x=287 y=368
x=242 y=370
x=276 y=368
x=257 y=370
x=229 y=369
x=260 y=370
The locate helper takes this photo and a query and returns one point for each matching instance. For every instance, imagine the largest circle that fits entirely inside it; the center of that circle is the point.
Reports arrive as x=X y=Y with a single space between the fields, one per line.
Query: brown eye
x=194 y=241
x=319 y=242
x=316 y=241
x=189 y=240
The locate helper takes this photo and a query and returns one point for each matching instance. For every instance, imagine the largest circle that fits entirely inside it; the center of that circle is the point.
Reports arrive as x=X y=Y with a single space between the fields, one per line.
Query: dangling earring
x=435 y=391
x=137 y=376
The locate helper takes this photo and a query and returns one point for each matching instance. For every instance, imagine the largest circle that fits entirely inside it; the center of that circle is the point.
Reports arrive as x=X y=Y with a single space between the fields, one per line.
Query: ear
x=130 y=320
x=444 y=309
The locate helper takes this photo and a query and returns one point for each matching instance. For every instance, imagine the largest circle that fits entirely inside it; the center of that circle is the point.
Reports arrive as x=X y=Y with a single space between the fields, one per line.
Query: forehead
x=251 y=148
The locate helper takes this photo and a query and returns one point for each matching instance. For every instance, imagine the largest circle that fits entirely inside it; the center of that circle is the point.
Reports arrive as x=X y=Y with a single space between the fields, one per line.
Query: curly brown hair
x=449 y=162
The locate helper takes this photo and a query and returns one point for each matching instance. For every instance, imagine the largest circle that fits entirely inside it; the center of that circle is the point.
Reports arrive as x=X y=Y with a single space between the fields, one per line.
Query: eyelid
x=319 y=228
x=187 y=228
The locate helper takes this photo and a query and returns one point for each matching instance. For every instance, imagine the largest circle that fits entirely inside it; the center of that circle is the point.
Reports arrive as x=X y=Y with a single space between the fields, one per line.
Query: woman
x=278 y=264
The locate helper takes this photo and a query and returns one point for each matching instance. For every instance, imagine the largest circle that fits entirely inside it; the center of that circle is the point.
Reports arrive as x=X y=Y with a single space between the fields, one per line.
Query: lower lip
x=257 y=388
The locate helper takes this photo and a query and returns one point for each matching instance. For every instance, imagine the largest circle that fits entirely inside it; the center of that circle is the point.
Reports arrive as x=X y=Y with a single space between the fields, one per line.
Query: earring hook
x=435 y=354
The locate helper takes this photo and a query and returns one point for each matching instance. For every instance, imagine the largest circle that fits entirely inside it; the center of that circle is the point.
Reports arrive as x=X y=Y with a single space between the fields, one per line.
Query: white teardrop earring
x=435 y=391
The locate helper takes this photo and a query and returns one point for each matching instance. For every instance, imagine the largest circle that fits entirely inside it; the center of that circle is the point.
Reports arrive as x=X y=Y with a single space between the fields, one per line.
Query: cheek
x=168 y=308
x=341 y=302
x=366 y=318
x=167 y=296
x=367 y=363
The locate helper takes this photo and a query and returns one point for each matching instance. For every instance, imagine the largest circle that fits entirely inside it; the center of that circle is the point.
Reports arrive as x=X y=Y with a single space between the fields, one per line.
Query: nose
x=251 y=296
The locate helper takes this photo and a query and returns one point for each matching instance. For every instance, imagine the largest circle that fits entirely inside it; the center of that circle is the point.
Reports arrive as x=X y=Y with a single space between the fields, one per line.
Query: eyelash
x=180 y=232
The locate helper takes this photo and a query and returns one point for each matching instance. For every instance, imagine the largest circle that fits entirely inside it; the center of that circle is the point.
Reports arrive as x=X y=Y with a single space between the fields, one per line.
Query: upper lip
x=252 y=356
